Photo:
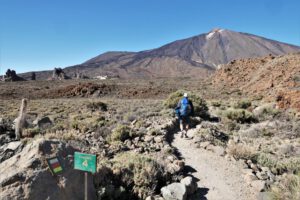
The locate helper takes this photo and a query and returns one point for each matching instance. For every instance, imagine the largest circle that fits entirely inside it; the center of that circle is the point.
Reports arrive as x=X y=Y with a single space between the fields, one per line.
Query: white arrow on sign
x=85 y=163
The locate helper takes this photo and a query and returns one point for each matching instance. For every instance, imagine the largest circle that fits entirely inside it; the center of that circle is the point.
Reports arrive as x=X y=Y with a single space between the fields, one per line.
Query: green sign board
x=85 y=162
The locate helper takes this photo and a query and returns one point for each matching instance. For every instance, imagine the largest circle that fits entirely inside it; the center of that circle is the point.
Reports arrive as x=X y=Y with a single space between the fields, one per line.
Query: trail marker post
x=86 y=163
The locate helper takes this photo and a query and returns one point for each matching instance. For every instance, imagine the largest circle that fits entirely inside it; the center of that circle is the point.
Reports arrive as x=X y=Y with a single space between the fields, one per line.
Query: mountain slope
x=219 y=47
x=197 y=56
x=273 y=78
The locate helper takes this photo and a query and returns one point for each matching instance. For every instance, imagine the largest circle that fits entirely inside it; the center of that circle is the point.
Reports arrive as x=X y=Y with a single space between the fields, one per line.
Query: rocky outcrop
x=10 y=149
x=257 y=176
x=271 y=78
x=43 y=122
x=5 y=127
x=11 y=75
x=287 y=99
x=59 y=74
x=26 y=176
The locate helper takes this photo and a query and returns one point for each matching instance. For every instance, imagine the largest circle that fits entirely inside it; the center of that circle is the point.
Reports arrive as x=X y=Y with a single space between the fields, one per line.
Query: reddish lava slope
x=273 y=78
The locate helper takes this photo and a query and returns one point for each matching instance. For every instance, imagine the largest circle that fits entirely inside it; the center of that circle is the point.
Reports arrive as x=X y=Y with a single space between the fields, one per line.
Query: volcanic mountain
x=197 y=56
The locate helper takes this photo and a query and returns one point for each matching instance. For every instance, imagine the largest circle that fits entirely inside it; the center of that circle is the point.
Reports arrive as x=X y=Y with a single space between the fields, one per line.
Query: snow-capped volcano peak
x=213 y=32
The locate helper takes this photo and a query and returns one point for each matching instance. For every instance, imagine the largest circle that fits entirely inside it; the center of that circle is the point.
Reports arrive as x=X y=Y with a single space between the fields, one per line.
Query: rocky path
x=218 y=178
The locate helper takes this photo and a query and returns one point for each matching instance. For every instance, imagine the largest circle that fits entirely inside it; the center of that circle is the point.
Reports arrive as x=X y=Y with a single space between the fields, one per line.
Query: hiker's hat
x=185 y=94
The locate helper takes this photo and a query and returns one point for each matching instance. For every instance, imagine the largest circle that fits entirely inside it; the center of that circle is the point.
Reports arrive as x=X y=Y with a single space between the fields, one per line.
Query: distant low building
x=101 y=77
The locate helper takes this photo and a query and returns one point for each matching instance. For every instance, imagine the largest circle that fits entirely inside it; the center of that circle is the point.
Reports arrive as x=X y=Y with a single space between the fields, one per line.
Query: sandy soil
x=218 y=178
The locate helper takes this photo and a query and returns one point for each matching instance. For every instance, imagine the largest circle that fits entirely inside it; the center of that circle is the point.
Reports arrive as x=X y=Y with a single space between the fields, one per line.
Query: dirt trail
x=218 y=178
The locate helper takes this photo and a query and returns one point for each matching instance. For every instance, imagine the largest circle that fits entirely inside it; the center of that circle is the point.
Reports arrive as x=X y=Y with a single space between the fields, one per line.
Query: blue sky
x=40 y=35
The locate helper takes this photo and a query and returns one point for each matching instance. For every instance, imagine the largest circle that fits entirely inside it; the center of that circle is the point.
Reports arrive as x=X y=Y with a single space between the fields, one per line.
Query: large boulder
x=6 y=127
x=258 y=185
x=43 y=122
x=11 y=75
x=10 y=149
x=58 y=73
x=174 y=191
x=14 y=145
x=175 y=167
x=26 y=174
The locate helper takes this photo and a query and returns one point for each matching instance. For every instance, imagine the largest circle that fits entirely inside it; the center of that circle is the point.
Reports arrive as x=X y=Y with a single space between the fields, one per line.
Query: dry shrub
x=215 y=103
x=230 y=125
x=103 y=132
x=242 y=104
x=30 y=132
x=296 y=78
x=241 y=151
x=296 y=129
x=213 y=135
x=239 y=115
x=63 y=135
x=97 y=106
x=85 y=123
x=103 y=181
x=200 y=106
x=287 y=188
x=279 y=166
x=140 y=172
x=121 y=133
x=266 y=111
x=269 y=161
x=130 y=117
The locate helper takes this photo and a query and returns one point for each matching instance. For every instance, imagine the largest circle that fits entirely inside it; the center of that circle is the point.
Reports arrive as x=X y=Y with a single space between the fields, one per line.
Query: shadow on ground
x=200 y=194
x=188 y=170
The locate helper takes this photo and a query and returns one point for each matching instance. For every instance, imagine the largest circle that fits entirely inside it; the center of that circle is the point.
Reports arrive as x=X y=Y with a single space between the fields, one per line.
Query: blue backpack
x=185 y=108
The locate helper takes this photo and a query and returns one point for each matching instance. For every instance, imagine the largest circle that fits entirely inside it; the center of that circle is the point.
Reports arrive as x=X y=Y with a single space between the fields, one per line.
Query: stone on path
x=258 y=185
x=190 y=184
x=174 y=191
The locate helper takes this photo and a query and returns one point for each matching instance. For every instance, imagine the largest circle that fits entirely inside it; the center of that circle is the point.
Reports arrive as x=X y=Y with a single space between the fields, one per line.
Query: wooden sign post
x=86 y=163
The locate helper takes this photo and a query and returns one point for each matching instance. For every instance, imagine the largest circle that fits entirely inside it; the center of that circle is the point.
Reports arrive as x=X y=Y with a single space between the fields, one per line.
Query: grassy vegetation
x=215 y=103
x=216 y=138
x=117 y=119
x=296 y=128
x=242 y=104
x=287 y=188
x=266 y=112
x=296 y=78
x=277 y=166
x=31 y=132
x=140 y=172
x=99 y=105
x=241 y=151
x=239 y=115
x=121 y=133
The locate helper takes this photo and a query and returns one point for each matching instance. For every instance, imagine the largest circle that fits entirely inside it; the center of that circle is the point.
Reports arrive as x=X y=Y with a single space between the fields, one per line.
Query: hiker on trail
x=184 y=110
